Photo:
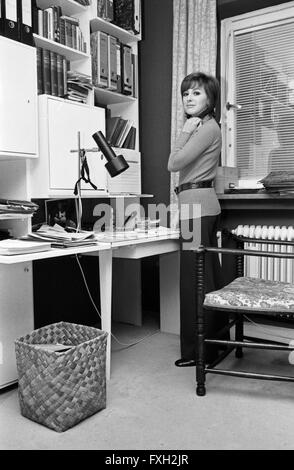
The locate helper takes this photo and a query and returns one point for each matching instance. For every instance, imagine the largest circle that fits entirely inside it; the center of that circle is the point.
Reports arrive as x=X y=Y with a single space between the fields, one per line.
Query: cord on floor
x=95 y=307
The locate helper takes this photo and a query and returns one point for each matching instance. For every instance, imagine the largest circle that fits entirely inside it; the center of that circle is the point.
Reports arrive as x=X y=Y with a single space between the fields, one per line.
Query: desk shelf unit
x=28 y=148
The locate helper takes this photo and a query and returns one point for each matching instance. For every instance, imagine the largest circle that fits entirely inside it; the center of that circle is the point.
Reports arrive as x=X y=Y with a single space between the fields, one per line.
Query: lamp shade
x=116 y=164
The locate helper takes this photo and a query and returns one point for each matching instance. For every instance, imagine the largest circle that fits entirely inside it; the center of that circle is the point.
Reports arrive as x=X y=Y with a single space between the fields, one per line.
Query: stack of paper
x=60 y=238
x=17 y=247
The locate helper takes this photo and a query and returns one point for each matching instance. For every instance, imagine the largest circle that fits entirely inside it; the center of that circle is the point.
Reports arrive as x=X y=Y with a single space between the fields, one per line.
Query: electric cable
x=96 y=309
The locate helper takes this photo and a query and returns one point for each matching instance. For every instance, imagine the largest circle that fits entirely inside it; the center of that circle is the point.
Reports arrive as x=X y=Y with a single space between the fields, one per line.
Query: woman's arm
x=189 y=147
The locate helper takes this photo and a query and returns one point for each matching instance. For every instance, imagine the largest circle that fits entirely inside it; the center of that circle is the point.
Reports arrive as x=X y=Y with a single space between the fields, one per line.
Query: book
x=124 y=133
x=53 y=73
x=130 y=141
x=60 y=79
x=119 y=128
x=105 y=10
x=50 y=25
x=111 y=124
x=57 y=13
x=17 y=247
x=40 y=71
x=45 y=23
x=40 y=22
x=46 y=72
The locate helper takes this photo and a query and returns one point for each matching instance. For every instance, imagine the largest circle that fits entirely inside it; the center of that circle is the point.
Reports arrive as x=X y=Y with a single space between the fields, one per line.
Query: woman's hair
x=209 y=83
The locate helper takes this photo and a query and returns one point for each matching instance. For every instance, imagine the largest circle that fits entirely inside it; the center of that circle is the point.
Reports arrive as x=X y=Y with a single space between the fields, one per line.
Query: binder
x=25 y=21
x=9 y=21
x=112 y=75
x=126 y=70
x=99 y=53
x=118 y=66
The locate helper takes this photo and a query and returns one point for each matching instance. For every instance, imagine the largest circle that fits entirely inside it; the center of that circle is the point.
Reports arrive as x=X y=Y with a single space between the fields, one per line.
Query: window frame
x=230 y=27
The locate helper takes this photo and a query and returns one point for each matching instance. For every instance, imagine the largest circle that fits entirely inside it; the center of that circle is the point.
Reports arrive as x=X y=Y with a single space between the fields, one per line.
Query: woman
x=196 y=157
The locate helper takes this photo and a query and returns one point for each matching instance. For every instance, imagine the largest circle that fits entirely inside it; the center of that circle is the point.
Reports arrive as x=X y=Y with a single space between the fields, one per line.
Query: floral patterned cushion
x=253 y=293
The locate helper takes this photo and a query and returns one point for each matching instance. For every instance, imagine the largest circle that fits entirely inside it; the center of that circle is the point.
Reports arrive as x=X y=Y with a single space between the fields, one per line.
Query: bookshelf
x=34 y=129
x=54 y=156
x=70 y=53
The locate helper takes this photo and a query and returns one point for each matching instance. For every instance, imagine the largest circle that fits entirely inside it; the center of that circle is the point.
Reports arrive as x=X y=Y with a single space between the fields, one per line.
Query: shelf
x=56 y=195
x=54 y=253
x=68 y=52
x=15 y=216
x=103 y=96
x=98 y=24
x=69 y=7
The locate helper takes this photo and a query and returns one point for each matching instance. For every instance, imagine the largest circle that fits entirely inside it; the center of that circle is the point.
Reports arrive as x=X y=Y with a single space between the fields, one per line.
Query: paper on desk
x=46 y=232
x=18 y=247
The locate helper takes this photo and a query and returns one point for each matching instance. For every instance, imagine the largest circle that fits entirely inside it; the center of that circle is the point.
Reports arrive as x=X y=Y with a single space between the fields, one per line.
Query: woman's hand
x=191 y=124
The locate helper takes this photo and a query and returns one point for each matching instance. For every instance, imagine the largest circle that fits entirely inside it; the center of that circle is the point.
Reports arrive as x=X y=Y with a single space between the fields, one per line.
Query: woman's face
x=195 y=100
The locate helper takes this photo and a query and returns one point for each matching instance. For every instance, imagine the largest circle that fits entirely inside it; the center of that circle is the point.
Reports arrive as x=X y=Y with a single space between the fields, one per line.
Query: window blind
x=264 y=87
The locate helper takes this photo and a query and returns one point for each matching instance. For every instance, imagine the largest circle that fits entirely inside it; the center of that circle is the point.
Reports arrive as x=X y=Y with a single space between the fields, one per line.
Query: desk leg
x=105 y=272
x=169 y=278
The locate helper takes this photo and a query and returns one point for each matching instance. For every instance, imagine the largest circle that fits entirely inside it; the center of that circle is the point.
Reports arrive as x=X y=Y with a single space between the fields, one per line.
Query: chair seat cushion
x=250 y=293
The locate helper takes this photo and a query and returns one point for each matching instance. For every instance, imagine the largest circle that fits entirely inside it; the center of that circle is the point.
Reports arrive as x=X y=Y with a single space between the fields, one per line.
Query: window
x=257 y=60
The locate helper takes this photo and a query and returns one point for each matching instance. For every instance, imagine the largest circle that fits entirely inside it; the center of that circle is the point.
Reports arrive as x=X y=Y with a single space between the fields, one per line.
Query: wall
x=155 y=96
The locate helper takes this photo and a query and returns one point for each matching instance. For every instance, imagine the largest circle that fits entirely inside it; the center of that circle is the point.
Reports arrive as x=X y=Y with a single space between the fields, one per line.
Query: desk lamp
x=115 y=165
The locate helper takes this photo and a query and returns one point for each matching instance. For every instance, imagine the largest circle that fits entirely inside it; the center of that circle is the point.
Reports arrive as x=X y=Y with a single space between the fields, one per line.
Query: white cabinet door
x=18 y=99
x=65 y=120
x=16 y=314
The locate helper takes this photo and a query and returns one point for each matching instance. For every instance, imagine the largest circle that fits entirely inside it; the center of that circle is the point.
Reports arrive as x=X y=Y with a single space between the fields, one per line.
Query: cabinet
x=16 y=314
x=18 y=100
x=57 y=170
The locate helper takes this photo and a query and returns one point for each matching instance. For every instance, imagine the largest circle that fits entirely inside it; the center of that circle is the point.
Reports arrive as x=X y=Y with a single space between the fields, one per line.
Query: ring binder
x=25 y=21
x=9 y=22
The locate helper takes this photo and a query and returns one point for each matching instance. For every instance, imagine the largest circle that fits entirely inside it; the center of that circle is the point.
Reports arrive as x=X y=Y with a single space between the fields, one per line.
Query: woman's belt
x=200 y=184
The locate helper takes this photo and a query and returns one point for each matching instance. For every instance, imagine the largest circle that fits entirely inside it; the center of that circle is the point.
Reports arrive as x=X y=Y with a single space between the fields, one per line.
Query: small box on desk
x=226 y=178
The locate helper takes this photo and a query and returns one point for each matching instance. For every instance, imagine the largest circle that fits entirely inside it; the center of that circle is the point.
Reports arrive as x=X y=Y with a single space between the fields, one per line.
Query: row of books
x=51 y=73
x=124 y=13
x=55 y=77
x=50 y=23
x=114 y=66
x=120 y=132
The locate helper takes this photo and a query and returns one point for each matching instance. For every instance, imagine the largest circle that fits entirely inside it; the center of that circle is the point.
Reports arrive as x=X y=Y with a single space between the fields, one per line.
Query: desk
x=16 y=290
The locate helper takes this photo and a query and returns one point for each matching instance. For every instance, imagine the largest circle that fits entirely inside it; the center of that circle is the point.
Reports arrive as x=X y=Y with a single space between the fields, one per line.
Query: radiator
x=273 y=269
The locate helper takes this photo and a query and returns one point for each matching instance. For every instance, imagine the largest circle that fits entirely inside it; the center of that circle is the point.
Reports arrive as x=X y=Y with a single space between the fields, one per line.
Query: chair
x=242 y=296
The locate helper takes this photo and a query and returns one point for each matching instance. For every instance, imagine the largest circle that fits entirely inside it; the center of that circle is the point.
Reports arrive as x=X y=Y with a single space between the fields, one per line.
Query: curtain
x=194 y=49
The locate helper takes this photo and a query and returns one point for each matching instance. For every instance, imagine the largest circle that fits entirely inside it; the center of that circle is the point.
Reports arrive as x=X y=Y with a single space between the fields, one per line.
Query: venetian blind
x=264 y=87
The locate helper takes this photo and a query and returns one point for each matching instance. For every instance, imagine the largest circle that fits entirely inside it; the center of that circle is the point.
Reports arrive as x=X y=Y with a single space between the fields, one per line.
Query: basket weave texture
x=59 y=390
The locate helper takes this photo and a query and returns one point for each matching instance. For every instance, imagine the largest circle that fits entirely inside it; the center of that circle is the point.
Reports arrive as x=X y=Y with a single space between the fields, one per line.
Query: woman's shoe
x=185 y=363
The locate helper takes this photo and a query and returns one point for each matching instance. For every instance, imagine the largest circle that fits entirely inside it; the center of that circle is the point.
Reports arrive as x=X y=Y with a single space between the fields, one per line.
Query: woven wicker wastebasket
x=60 y=389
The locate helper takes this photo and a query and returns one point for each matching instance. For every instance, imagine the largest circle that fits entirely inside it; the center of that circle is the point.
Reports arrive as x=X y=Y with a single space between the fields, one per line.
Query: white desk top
x=112 y=243
x=53 y=253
